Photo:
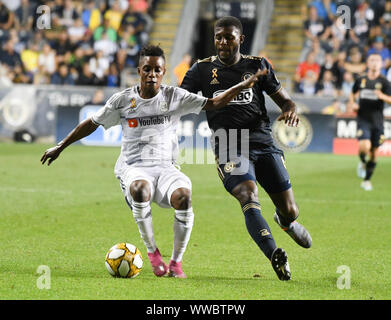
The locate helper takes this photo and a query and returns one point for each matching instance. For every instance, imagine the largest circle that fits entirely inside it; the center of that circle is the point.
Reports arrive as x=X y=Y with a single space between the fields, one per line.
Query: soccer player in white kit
x=149 y=114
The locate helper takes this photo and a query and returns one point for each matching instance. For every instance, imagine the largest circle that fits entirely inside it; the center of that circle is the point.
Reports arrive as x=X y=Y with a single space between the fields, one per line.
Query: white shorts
x=163 y=181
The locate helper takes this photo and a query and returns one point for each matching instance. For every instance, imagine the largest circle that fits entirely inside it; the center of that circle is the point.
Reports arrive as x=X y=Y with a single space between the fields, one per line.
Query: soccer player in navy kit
x=247 y=154
x=371 y=90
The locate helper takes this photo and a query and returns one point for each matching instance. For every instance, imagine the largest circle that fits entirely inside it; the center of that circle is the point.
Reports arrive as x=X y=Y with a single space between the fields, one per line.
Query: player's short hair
x=152 y=51
x=229 y=21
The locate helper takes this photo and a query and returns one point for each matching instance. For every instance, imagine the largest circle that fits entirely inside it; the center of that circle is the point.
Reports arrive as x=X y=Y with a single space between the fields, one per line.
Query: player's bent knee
x=245 y=192
x=181 y=199
x=140 y=191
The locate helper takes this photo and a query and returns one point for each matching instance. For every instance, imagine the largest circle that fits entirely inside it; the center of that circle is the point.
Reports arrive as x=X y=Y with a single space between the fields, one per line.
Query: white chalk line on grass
x=195 y=196
x=299 y=200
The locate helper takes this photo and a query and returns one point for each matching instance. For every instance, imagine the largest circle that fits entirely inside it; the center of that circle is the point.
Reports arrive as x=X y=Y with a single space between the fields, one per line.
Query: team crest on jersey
x=163 y=106
x=214 y=77
x=247 y=75
x=229 y=166
x=378 y=86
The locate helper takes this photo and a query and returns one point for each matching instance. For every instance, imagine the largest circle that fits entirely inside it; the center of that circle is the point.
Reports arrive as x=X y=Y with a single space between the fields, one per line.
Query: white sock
x=143 y=216
x=183 y=224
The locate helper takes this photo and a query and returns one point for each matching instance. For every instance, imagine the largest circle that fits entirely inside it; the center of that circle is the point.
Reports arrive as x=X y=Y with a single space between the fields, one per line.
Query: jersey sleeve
x=189 y=102
x=386 y=89
x=109 y=115
x=356 y=86
x=192 y=80
x=270 y=84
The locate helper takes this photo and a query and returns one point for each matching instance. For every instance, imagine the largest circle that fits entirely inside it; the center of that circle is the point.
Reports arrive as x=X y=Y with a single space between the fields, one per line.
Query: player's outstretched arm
x=288 y=107
x=224 y=98
x=84 y=129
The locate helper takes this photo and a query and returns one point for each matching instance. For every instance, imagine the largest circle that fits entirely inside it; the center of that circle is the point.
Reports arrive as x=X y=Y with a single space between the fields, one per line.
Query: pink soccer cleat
x=158 y=265
x=175 y=270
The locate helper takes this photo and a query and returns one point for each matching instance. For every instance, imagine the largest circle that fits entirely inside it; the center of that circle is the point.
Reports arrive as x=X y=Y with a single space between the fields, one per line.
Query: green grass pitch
x=68 y=215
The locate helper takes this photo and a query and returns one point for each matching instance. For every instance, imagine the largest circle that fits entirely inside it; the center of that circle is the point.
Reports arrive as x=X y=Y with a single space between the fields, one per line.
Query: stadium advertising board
x=345 y=141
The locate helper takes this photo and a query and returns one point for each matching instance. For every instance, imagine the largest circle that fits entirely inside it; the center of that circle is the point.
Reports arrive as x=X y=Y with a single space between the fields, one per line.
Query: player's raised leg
x=247 y=195
x=286 y=215
x=141 y=199
x=364 y=147
x=183 y=225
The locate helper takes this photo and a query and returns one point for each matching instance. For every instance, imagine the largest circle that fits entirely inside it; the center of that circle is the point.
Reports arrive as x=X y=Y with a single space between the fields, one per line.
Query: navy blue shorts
x=368 y=131
x=266 y=168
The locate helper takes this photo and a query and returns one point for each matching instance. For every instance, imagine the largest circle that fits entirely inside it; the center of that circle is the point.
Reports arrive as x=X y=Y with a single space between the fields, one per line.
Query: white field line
x=300 y=200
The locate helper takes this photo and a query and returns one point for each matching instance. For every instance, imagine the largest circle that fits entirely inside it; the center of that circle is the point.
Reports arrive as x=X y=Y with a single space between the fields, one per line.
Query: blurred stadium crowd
x=82 y=42
x=334 y=52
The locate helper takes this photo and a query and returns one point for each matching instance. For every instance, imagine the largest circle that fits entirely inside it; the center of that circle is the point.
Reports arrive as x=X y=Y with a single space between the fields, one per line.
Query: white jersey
x=148 y=125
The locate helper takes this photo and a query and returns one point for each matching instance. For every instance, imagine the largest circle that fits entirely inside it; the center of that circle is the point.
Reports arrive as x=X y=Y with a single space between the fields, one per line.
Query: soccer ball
x=124 y=260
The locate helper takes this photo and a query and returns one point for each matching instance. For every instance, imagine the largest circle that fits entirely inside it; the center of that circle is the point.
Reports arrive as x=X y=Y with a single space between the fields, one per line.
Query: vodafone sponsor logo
x=148 y=121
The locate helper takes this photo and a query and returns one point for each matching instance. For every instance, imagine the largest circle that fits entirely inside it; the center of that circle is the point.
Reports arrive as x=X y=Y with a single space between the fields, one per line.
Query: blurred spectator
x=181 y=69
x=355 y=63
x=379 y=48
x=315 y=27
x=347 y=84
x=99 y=64
x=67 y=14
x=326 y=9
x=91 y=15
x=360 y=26
x=78 y=59
x=326 y=86
x=29 y=57
x=113 y=78
x=385 y=14
x=107 y=46
x=77 y=31
x=140 y=22
x=24 y=15
x=105 y=28
x=47 y=60
x=62 y=76
x=87 y=78
x=63 y=47
x=114 y=16
x=7 y=17
x=8 y=56
x=307 y=74
x=339 y=68
x=129 y=49
x=317 y=50
x=17 y=75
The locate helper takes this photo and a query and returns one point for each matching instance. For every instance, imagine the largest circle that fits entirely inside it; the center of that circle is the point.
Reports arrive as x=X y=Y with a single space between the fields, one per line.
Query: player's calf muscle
x=139 y=190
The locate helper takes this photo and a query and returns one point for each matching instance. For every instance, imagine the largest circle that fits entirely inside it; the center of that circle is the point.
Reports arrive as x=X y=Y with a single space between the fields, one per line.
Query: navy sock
x=363 y=157
x=258 y=228
x=371 y=165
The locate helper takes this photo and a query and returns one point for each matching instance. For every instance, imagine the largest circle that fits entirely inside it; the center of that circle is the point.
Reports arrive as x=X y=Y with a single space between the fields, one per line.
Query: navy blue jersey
x=247 y=110
x=370 y=106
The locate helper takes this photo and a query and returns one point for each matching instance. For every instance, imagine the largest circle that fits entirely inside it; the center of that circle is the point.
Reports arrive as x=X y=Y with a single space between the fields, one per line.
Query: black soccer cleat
x=280 y=264
x=297 y=232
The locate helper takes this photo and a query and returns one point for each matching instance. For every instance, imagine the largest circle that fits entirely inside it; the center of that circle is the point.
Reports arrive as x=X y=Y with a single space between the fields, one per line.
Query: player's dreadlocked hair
x=229 y=21
x=152 y=51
